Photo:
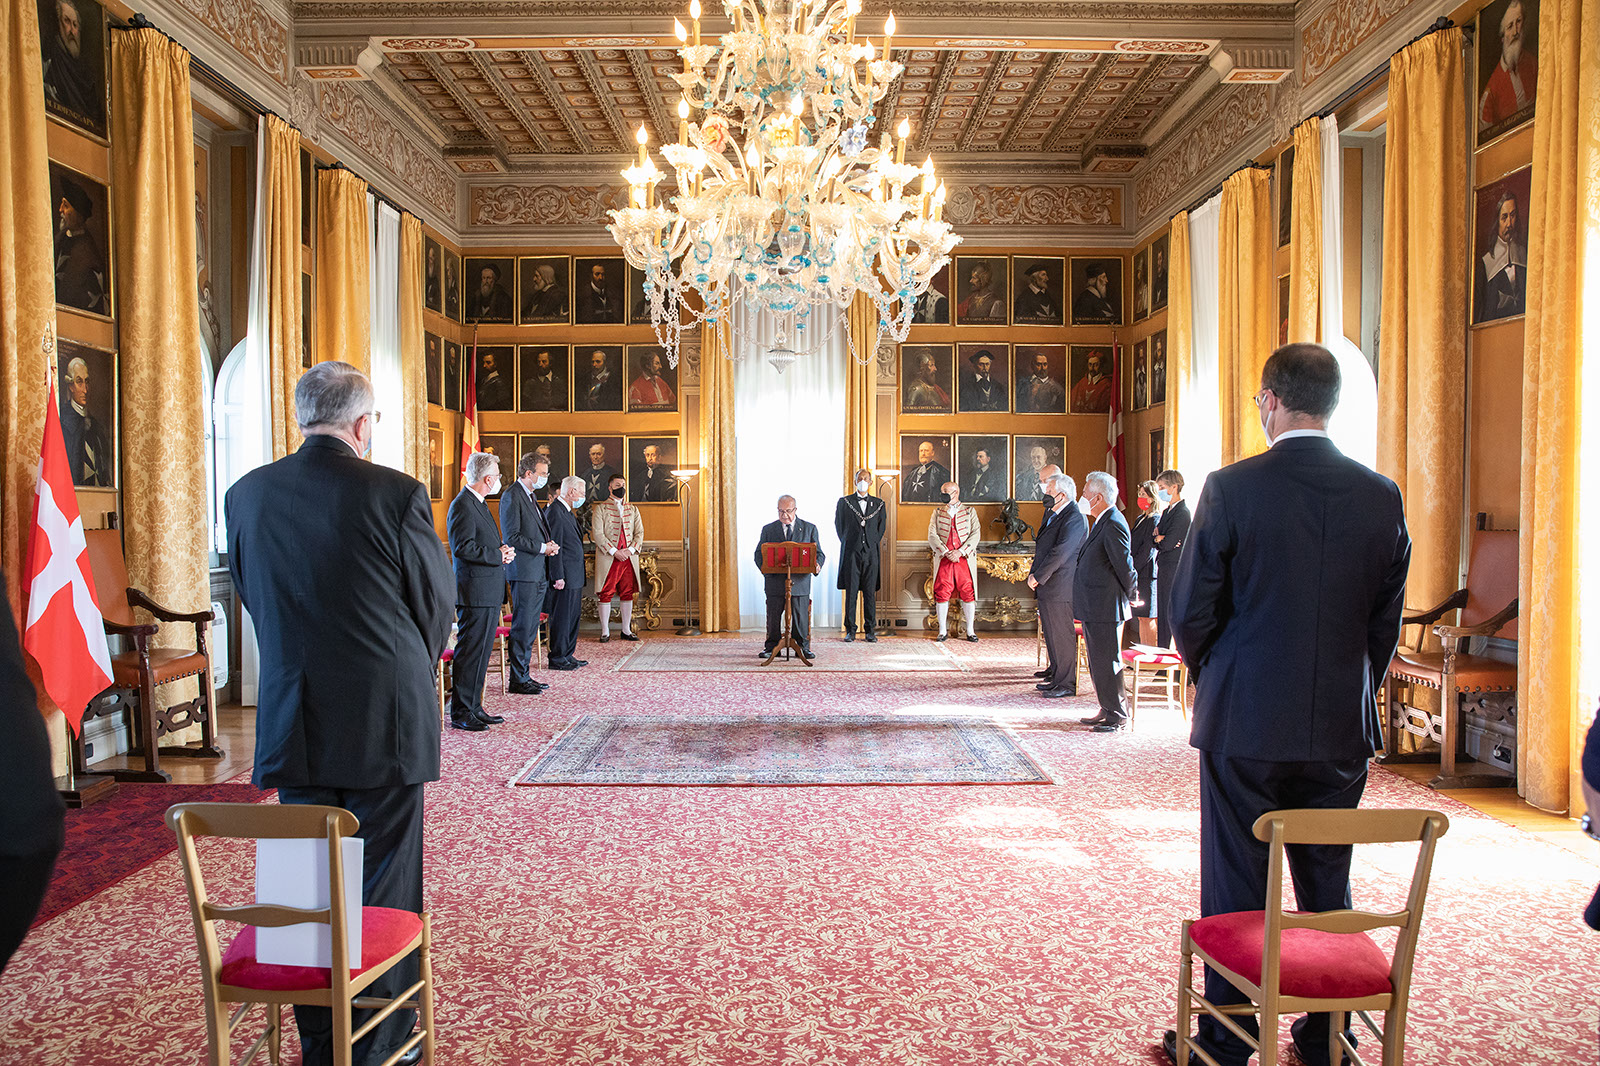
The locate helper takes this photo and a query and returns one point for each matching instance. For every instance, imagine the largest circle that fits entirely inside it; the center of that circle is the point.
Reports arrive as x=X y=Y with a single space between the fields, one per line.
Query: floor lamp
x=683 y=476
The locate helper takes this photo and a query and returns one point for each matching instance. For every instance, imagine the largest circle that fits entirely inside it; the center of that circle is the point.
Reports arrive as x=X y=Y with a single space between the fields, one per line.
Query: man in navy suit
x=479 y=555
x=1055 y=565
x=564 y=571
x=522 y=528
x=1101 y=588
x=789 y=527
x=1286 y=606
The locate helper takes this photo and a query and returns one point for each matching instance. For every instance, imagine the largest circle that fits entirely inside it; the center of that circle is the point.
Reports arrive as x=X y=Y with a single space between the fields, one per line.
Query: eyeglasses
x=376 y=416
x=1260 y=397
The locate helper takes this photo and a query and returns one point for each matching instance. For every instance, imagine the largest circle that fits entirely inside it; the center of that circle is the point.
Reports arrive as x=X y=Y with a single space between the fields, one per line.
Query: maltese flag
x=64 y=631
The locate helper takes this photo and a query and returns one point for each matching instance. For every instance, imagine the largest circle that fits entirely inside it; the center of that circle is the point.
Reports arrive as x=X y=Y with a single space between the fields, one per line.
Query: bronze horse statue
x=1016 y=528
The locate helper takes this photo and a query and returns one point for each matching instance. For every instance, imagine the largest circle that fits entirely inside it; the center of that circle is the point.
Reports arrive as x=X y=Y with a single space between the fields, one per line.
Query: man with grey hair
x=1101 y=593
x=480 y=556
x=563 y=598
x=338 y=563
x=88 y=446
x=1055 y=561
x=789 y=527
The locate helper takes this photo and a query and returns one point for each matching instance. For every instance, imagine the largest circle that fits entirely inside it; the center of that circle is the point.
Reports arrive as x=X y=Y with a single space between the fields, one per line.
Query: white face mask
x=862 y=487
x=1163 y=495
x=1083 y=504
x=540 y=481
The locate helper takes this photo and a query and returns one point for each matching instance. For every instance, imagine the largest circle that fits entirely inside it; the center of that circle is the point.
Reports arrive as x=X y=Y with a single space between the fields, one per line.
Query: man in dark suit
x=564 y=571
x=979 y=390
x=479 y=555
x=490 y=301
x=338 y=564
x=789 y=527
x=601 y=298
x=1101 y=590
x=858 y=519
x=522 y=528
x=1287 y=609
x=1055 y=564
x=1171 y=531
x=921 y=482
x=984 y=484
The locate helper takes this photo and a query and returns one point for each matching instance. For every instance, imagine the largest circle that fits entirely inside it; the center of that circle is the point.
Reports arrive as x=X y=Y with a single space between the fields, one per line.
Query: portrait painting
x=1158 y=368
x=1091 y=379
x=1039 y=288
x=1141 y=284
x=489 y=283
x=1158 y=274
x=1500 y=248
x=1285 y=178
x=983 y=467
x=597 y=290
x=1097 y=291
x=652 y=384
x=1141 y=376
x=1508 y=67
x=1158 y=452
x=433 y=367
x=494 y=377
x=1283 y=310
x=503 y=446
x=650 y=464
x=543 y=292
x=1034 y=454
x=982 y=296
x=544 y=374
x=924 y=466
x=306 y=318
x=307 y=202
x=435 y=463
x=87 y=396
x=983 y=378
x=72 y=42
x=80 y=207
x=432 y=275
x=933 y=306
x=1039 y=379
x=596 y=459
x=452 y=376
x=597 y=377
x=638 y=299
x=556 y=449
x=925 y=384
x=452 y=286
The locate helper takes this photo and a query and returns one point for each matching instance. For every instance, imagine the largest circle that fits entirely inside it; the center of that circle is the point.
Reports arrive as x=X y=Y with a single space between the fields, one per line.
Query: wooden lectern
x=785 y=557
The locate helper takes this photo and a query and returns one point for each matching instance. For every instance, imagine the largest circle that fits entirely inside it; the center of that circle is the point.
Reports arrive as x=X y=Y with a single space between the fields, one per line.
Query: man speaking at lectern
x=789 y=527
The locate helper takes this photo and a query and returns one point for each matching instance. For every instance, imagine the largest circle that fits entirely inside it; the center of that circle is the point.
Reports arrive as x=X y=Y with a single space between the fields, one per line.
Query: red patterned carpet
x=957 y=925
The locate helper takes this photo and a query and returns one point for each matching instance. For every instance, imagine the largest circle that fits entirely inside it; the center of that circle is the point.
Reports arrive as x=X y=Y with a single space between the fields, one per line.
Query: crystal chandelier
x=779 y=201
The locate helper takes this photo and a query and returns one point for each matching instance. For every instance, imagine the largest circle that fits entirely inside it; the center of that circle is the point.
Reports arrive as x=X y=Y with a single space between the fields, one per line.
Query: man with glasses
x=480 y=556
x=1102 y=586
x=789 y=527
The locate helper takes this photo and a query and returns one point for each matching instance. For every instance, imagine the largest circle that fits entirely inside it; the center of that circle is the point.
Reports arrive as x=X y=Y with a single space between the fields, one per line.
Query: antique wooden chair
x=143 y=667
x=1291 y=962
x=236 y=976
x=1488 y=607
x=1155 y=675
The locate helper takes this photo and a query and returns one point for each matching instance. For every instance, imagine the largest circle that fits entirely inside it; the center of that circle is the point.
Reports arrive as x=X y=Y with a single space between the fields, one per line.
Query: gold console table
x=648 y=599
x=1007 y=562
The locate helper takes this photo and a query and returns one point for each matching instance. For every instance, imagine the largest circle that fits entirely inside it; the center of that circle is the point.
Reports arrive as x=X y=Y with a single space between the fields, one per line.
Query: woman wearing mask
x=1142 y=626
x=1171 y=530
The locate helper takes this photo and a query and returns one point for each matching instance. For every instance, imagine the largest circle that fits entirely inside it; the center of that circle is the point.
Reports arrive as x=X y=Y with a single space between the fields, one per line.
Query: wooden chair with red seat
x=1488 y=607
x=235 y=975
x=144 y=667
x=1291 y=962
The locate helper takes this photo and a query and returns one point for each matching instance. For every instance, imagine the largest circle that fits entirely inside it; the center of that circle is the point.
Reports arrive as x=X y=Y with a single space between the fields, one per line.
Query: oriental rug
x=782 y=749
x=728 y=656
x=109 y=840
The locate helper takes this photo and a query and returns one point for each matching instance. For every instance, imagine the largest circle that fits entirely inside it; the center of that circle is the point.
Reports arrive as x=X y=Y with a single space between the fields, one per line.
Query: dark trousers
x=391 y=826
x=475 y=628
x=1235 y=792
x=801 y=621
x=1102 y=645
x=527 y=601
x=26 y=878
x=564 y=605
x=860 y=575
x=1060 y=640
x=1166 y=573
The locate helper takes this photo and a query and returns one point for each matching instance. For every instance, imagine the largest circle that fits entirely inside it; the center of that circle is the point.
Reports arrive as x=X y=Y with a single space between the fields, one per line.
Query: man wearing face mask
x=858 y=519
x=1101 y=590
x=953 y=539
x=564 y=597
x=480 y=556
x=618 y=531
x=523 y=529
x=1055 y=561
x=1171 y=531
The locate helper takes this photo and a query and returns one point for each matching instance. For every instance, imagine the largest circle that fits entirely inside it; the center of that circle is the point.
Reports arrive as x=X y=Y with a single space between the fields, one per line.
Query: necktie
x=786 y=532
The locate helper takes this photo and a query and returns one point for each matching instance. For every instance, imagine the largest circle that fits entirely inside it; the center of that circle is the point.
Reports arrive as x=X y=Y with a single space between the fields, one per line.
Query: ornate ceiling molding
x=344 y=108
x=1339 y=29
x=1035 y=205
x=1030 y=10
x=1212 y=139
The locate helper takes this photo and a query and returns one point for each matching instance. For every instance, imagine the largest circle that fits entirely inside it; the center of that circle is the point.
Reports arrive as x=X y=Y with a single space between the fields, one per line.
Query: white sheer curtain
x=789 y=437
x=388 y=382
x=1354 y=427
x=252 y=447
x=1199 y=444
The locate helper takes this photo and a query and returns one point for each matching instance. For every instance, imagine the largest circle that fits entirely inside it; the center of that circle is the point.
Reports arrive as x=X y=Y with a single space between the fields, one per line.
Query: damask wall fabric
x=861 y=389
x=27 y=284
x=1180 y=335
x=1559 y=623
x=1245 y=314
x=344 y=309
x=164 y=503
x=1305 y=234
x=279 y=266
x=717 y=562
x=414 y=383
x=1422 y=346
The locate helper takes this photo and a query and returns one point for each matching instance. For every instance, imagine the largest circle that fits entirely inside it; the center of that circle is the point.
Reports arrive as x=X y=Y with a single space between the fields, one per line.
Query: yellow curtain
x=861 y=389
x=1422 y=346
x=344 y=313
x=1559 y=628
x=718 y=565
x=1305 y=234
x=1180 y=331
x=164 y=501
x=1247 y=324
x=27 y=284
x=280 y=270
x=414 y=385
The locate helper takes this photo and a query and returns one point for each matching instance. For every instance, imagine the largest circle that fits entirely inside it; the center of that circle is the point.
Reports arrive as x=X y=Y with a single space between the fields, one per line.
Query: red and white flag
x=1114 y=454
x=64 y=631
x=469 y=409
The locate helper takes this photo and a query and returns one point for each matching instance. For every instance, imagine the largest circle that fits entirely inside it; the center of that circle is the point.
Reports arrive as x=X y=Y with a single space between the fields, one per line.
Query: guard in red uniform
x=618 y=533
x=953 y=539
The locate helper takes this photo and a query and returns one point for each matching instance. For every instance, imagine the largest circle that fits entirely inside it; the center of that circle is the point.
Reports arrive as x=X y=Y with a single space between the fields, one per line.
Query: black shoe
x=1057 y=693
x=973 y=637
x=628 y=636
x=1099 y=719
x=1169 y=1045
x=488 y=719
x=1046 y=685
x=872 y=638
x=942 y=637
x=1045 y=673
x=471 y=724
x=765 y=653
x=1120 y=726
x=564 y=664
x=605 y=638
x=808 y=653
x=525 y=688
x=412 y=1057
x=849 y=638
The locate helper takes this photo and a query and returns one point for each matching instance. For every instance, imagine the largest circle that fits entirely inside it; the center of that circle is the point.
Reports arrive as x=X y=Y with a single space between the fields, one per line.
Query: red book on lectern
x=777 y=555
